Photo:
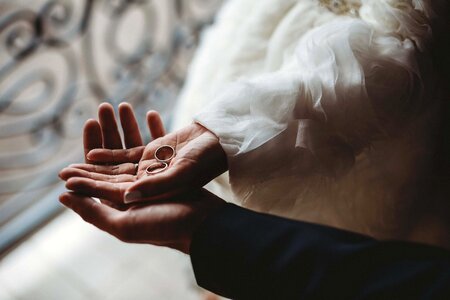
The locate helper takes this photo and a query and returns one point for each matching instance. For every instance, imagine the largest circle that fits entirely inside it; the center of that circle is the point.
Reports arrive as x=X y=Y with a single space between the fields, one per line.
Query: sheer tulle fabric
x=337 y=87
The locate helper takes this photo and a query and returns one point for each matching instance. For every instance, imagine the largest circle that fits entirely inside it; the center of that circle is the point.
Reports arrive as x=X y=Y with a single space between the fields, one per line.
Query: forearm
x=246 y=255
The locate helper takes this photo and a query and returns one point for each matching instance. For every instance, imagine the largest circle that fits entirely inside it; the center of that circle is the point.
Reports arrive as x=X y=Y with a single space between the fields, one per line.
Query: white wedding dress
x=306 y=97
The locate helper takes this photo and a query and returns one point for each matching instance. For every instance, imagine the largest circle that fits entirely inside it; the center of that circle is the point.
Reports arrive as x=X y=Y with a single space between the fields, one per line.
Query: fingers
x=127 y=168
x=67 y=173
x=99 y=215
x=130 y=126
x=155 y=124
x=116 y=156
x=110 y=131
x=113 y=192
x=92 y=137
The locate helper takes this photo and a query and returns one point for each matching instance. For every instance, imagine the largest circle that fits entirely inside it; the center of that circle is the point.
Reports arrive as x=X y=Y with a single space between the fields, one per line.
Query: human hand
x=199 y=159
x=104 y=134
x=169 y=223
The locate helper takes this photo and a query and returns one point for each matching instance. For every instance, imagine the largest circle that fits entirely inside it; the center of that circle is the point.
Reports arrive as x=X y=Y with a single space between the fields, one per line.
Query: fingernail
x=131 y=197
x=63 y=170
x=64 y=200
x=69 y=184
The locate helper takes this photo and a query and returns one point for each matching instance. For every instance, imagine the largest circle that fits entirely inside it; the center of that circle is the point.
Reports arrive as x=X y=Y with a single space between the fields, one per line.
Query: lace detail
x=342 y=7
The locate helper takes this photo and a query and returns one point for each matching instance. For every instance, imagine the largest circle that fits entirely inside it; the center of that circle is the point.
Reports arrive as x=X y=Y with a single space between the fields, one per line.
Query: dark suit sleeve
x=242 y=254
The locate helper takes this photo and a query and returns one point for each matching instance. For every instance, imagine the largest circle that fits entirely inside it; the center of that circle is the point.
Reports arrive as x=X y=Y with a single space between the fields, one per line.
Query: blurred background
x=59 y=59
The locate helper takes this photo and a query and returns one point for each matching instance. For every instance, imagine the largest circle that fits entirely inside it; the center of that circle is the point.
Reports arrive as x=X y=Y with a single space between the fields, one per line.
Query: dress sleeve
x=348 y=83
x=241 y=254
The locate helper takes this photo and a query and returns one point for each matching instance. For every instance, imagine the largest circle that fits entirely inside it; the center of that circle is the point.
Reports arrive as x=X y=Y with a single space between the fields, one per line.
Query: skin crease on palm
x=199 y=158
x=170 y=218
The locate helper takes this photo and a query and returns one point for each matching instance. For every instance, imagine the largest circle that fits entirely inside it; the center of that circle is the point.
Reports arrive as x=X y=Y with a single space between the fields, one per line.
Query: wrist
x=220 y=156
x=202 y=127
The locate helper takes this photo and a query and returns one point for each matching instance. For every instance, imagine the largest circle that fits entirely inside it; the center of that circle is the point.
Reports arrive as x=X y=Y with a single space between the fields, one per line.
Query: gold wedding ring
x=163 y=155
x=156 y=168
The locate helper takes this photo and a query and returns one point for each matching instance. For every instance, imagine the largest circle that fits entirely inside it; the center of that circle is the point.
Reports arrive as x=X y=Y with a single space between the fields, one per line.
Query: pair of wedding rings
x=163 y=156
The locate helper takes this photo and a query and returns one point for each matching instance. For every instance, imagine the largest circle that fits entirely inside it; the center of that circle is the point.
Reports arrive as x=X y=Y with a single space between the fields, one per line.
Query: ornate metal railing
x=60 y=59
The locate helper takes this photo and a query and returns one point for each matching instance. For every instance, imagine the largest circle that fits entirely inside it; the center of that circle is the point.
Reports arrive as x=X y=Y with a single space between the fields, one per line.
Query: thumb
x=163 y=185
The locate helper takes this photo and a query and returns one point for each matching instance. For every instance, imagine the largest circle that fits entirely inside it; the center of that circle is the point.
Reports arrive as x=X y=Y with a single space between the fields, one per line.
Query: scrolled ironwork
x=60 y=58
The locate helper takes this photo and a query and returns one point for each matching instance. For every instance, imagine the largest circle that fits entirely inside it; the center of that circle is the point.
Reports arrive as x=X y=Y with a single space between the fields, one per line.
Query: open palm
x=199 y=158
